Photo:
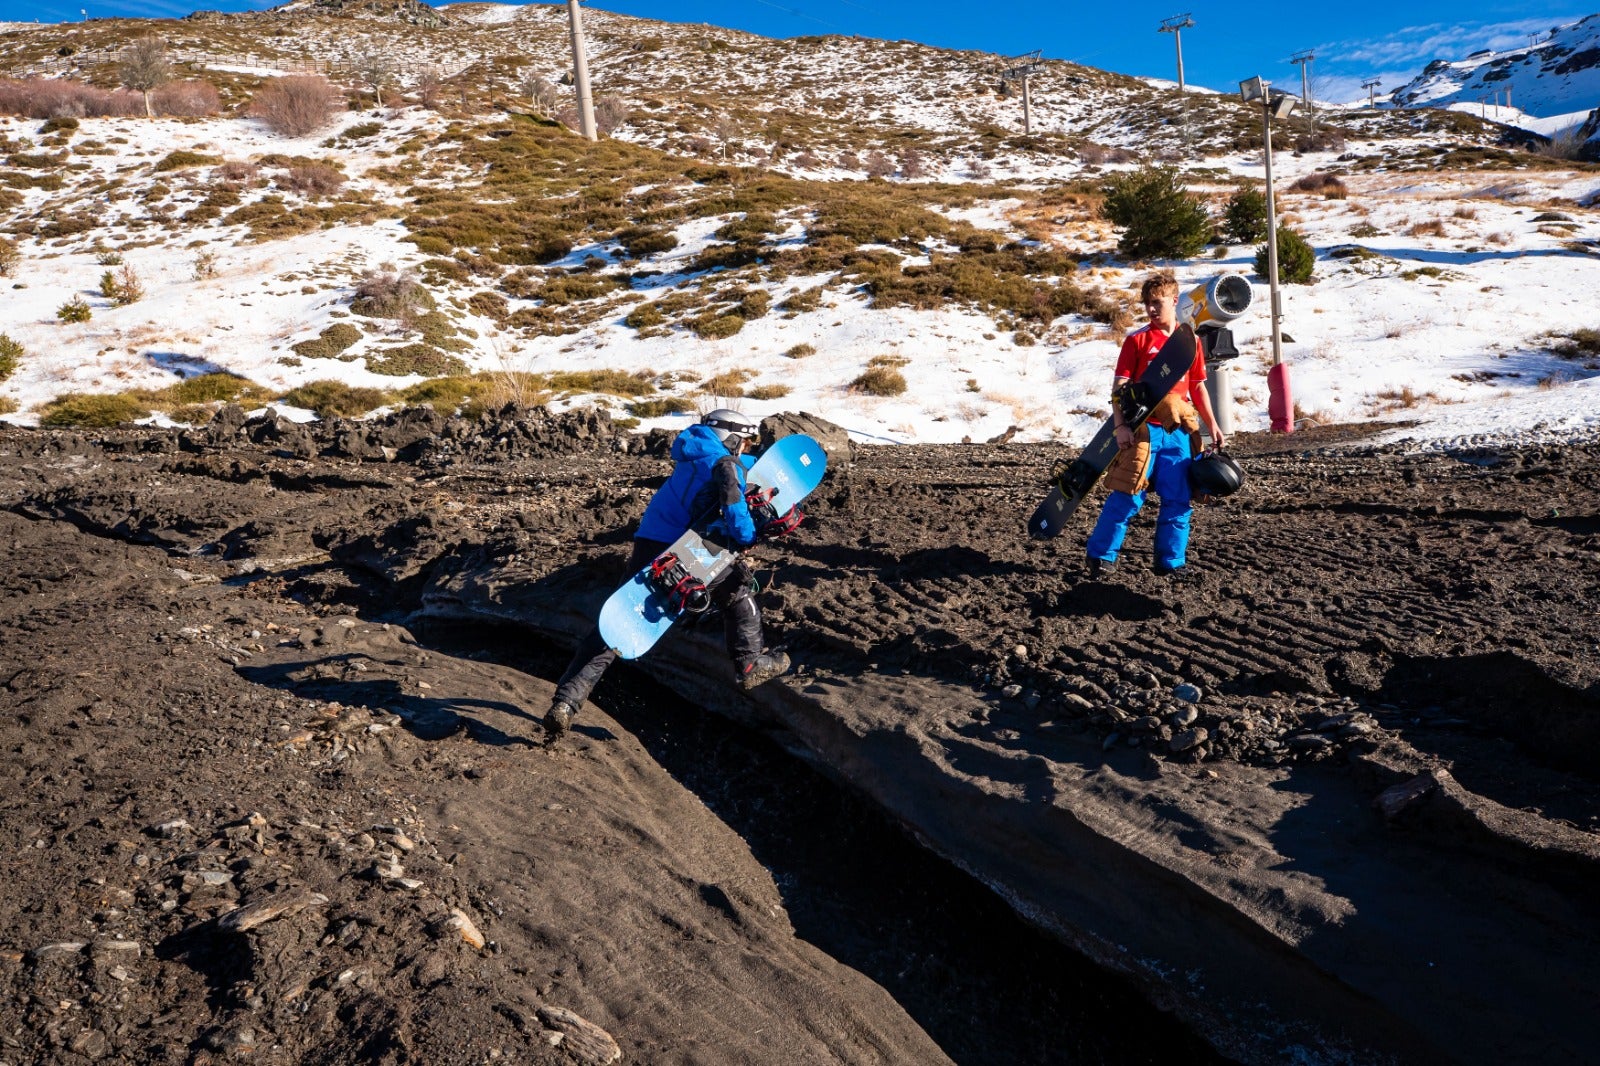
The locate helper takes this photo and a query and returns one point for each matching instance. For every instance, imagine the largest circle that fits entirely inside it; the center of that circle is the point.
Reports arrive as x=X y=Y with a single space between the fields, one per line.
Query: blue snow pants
x=1169 y=478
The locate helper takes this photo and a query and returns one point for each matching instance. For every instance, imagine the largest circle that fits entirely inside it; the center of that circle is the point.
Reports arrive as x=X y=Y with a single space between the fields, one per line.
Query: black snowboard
x=1136 y=400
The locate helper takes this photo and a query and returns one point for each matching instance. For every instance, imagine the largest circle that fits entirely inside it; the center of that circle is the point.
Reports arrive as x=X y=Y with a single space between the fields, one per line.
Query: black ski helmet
x=1215 y=474
x=726 y=422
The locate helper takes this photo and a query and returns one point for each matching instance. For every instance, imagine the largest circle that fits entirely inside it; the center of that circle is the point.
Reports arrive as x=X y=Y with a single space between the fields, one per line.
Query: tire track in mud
x=1330 y=568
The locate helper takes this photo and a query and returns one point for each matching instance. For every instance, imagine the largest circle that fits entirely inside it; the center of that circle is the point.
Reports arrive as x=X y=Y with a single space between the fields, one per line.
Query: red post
x=1280 y=408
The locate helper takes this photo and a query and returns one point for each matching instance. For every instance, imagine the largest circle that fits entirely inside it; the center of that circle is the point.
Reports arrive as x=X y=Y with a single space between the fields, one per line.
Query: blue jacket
x=706 y=484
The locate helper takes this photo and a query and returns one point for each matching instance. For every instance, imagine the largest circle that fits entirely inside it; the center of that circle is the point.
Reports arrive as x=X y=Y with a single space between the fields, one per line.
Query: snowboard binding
x=684 y=593
x=1074 y=478
x=1133 y=400
x=769 y=523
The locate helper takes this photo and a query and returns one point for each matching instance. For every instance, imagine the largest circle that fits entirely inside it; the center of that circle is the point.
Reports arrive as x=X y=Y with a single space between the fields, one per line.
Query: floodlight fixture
x=1282 y=105
x=1252 y=89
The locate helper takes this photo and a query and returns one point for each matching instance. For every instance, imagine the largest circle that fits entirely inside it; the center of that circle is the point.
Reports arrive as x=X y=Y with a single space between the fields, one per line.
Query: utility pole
x=1303 y=61
x=580 y=74
x=1175 y=26
x=1371 y=87
x=1026 y=65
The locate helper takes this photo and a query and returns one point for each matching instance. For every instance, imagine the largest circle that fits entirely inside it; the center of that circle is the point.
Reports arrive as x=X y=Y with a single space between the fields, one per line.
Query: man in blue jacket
x=707 y=479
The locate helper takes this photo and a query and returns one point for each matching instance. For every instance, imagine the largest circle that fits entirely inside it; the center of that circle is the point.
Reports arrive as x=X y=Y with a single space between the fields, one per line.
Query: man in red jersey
x=1157 y=454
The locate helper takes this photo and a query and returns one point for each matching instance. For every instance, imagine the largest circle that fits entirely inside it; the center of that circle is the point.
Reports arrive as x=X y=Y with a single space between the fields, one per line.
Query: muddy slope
x=1364 y=827
x=245 y=823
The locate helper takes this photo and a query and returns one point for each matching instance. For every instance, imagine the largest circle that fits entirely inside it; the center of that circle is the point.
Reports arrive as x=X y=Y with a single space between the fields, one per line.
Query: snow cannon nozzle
x=1222 y=299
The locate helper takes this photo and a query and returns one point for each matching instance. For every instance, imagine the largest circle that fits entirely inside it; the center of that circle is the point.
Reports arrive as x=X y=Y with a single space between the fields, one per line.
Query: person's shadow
x=425 y=717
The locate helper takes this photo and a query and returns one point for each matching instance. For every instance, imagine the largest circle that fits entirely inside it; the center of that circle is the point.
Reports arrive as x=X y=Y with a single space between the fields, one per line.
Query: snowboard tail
x=1135 y=400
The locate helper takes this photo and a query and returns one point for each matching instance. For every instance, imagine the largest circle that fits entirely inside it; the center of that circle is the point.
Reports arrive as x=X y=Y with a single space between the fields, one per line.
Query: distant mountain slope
x=1556 y=76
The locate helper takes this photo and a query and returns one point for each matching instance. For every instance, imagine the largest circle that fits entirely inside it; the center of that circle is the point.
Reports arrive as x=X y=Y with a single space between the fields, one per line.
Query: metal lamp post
x=1280 y=408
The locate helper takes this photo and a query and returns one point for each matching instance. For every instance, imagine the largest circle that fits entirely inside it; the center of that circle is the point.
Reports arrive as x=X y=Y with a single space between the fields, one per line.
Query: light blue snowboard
x=637 y=614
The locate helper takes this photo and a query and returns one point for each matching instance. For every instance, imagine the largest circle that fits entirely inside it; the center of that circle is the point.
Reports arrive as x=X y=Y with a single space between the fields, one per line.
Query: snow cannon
x=1222 y=299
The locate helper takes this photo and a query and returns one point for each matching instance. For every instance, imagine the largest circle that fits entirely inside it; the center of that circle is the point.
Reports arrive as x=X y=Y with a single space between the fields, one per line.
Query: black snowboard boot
x=1098 y=567
x=557 y=721
x=763 y=668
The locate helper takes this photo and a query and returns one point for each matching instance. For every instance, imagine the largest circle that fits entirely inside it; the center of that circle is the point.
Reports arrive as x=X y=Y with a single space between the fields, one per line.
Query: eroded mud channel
x=272 y=697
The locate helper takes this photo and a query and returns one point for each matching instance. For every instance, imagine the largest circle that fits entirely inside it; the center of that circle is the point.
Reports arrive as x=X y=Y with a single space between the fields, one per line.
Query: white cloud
x=1417 y=44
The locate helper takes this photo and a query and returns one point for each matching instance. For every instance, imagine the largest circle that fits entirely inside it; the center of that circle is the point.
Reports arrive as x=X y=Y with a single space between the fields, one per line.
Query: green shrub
x=329 y=398
x=413 y=359
x=804 y=300
x=640 y=241
x=329 y=343
x=220 y=387
x=1160 y=220
x=666 y=405
x=614 y=382
x=91 y=410
x=1244 y=220
x=10 y=355
x=64 y=122
x=880 y=381
x=451 y=394
x=1296 y=259
x=489 y=305
x=431 y=245
x=751 y=228
x=645 y=316
x=181 y=160
x=754 y=305
x=75 y=310
x=714 y=326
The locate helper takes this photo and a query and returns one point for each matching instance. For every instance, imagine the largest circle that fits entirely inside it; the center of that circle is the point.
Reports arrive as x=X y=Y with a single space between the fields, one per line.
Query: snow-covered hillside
x=730 y=246
x=1557 y=75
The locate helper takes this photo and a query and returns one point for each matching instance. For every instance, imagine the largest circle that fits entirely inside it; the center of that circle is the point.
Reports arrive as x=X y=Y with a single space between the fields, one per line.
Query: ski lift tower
x=1371 y=87
x=580 y=73
x=1303 y=61
x=1025 y=65
x=1175 y=26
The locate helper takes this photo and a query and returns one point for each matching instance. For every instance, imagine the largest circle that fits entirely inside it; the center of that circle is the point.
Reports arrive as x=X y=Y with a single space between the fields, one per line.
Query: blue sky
x=1354 y=41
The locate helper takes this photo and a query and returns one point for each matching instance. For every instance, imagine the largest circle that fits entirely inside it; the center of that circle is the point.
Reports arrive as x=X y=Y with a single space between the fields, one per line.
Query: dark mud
x=1373 y=837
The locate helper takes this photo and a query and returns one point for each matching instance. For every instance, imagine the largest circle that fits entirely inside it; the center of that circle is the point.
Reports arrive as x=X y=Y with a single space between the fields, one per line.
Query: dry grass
x=730 y=383
x=879 y=381
x=1431 y=228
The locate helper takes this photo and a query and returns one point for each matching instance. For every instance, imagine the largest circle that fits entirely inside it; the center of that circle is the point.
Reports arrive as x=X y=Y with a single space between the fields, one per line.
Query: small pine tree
x=10 y=355
x=75 y=310
x=1244 y=220
x=1160 y=220
x=1296 y=258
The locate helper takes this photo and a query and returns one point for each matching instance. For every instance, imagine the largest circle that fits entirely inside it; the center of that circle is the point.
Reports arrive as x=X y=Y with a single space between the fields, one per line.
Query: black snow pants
x=730 y=592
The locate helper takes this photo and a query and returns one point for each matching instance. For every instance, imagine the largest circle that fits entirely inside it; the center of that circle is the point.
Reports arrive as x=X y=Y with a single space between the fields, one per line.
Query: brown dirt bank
x=1371 y=625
